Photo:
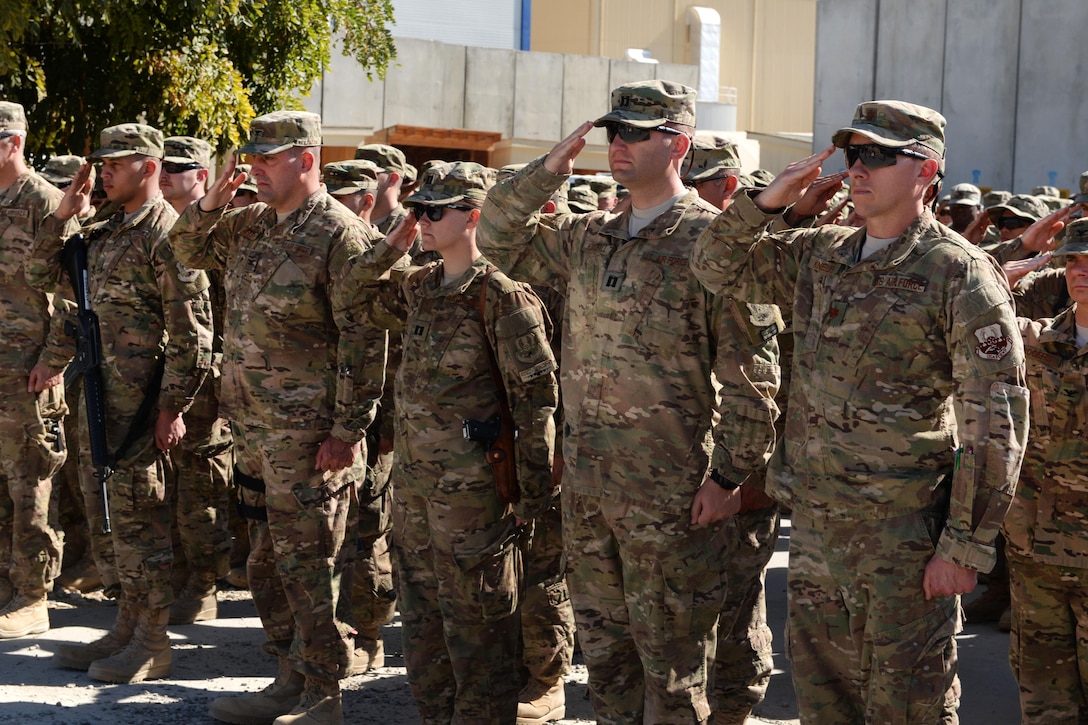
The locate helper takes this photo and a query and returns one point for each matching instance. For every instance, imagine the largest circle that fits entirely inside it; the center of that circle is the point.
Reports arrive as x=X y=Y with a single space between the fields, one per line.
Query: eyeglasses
x=633 y=134
x=1011 y=222
x=434 y=213
x=173 y=167
x=875 y=156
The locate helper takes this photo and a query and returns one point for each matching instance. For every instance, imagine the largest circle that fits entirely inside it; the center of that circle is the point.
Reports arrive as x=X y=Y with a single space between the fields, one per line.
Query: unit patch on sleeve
x=993 y=342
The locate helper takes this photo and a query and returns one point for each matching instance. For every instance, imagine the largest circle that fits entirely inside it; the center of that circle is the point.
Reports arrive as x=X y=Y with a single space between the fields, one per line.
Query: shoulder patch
x=994 y=343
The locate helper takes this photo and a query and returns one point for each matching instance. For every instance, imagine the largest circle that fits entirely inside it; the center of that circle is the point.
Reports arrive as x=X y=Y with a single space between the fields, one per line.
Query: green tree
x=190 y=67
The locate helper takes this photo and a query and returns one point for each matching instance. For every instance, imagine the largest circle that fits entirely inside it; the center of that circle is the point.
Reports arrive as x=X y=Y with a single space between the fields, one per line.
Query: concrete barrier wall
x=1007 y=75
x=525 y=95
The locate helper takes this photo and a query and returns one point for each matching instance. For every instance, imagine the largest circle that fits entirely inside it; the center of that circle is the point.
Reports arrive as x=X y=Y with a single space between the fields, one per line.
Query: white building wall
x=479 y=23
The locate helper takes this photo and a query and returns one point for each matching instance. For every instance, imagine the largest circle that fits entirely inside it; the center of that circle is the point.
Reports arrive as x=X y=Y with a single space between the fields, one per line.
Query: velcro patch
x=17 y=213
x=993 y=342
x=541 y=368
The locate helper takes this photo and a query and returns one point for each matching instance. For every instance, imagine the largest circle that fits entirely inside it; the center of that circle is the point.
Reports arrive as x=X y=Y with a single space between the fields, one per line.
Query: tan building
x=752 y=60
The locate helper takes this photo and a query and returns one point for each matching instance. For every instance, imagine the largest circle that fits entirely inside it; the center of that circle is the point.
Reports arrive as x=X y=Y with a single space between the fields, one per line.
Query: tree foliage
x=189 y=67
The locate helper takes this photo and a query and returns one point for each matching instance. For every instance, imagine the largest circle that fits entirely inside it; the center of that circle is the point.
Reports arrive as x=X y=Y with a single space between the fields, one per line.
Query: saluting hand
x=222 y=191
x=816 y=198
x=793 y=182
x=560 y=160
x=402 y=235
x=77 y=196
x=1039 y=237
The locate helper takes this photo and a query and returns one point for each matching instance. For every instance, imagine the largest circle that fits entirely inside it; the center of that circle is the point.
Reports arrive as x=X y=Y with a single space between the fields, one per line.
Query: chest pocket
x=653 y=320
x=1058 y=410
x=289 y=290
x=584 y=297
x=858 y=320
x=446 y=343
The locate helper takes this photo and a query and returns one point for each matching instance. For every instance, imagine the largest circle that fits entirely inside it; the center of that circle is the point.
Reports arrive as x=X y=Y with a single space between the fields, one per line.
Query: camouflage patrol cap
x=895 y=124
x=187 y=150
x=349 y=177
x=62 y=169
x=581 y=198
x=1082 y=197
x=993 y=198
x=649 y=104
x=128 y=139
x=1076 y=239
x=249 y=184
x=967 y=194
x=386 y=157
x=1024 y=206
x=709 y=157
x=761 y=178
x=278 y=131
x=1051 y=191
x=508 y=171
x=457 y=182
x=602 y=185
x=12 y=117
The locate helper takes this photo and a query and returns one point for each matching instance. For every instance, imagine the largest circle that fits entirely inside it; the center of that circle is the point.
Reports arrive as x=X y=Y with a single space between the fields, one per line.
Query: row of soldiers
x=906 y=420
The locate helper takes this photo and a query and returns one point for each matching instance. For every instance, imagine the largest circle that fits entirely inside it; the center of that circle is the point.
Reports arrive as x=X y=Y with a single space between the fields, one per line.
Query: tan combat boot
x=26 y=614
x=196 y=602
x=541 y=702
x=146 y=657
x=262 y=708
x=320 y=705
x=80 y=656
x=369 y=651
x=82 y=576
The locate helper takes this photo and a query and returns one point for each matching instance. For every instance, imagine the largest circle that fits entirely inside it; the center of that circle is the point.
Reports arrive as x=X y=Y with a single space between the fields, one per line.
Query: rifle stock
x=89 y=360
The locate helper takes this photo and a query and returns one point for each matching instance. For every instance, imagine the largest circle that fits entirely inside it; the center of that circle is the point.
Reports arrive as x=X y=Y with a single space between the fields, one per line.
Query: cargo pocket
x=45 y=448
x=493 y=577
x=913 y=666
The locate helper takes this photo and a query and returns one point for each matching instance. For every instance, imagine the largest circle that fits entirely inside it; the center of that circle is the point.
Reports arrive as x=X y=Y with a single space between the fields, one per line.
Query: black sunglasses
x=173 y=167
x=875 y=156
x=434 y=213
x=633 y=134
x=1011 y=222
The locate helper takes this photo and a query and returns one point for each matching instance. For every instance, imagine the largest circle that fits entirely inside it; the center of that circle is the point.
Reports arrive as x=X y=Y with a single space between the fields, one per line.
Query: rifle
x=89 y=360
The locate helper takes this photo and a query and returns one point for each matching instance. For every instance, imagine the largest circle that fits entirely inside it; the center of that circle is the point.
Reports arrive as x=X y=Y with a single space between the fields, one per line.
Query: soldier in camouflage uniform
x=744 y=658
x=547 y=617
x=61 y=170
x=456 y=543
x=301 y=380
x=31 y=437
x=388 y=211
x=713 y=169
x=649 y=468
x=246 y=193
x=1045 y=530
x=1011 y=219
x=373 y=598
x=154 y=312
x=203 y=461
x=905 y=346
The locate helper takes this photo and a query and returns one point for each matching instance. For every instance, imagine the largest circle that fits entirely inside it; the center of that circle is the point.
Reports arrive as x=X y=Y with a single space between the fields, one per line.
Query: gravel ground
x=224 y=656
